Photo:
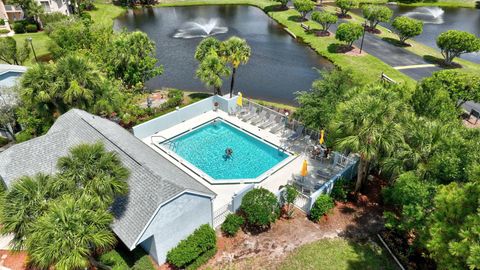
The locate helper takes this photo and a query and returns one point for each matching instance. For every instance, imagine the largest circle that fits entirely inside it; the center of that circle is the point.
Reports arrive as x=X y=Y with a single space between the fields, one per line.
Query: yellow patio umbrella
x=303 y=171
x=240 y=99
x=322 y=135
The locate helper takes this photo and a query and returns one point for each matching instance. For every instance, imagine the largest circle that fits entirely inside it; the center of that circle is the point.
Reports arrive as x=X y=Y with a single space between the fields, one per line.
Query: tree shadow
x=338 y=48
x=275 y=8
x=396 y=42
x=199 y=95
x=440 y=62
x=296 y=18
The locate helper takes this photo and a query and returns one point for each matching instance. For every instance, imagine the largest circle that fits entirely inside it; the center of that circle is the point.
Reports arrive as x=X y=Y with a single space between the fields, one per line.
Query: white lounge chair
x=260 y=117
x=247 y=116
x=269 y=122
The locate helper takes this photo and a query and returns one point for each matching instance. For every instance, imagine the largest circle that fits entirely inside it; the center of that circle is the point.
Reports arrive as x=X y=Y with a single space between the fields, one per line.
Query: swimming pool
x=9 y=78
x=205 y=148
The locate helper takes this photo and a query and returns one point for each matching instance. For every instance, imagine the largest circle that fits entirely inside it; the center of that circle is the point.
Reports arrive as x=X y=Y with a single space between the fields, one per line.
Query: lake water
x=440 y=19
x=278 y=67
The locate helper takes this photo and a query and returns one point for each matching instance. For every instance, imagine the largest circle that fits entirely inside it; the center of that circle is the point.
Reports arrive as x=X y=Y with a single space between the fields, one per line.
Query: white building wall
x=174 y=222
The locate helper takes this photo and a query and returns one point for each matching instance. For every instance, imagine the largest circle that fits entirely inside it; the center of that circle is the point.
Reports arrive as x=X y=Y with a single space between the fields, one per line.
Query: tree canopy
x=376 y=14
x=325 y=19
x=303 y=6
x=11 y=53
x=346 y=5
x=406 y=27
x=349 y=33
x=454 y=43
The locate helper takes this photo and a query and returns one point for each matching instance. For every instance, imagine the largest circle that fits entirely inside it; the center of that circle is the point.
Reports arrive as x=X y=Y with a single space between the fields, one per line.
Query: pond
x=278 y=67
x=440 y=19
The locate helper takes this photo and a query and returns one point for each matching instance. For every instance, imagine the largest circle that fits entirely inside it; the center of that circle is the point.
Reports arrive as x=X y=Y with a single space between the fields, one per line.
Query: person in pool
x=228 y=152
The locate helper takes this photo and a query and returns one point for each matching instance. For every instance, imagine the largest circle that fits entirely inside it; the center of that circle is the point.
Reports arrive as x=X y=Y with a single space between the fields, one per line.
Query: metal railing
x=221 y=214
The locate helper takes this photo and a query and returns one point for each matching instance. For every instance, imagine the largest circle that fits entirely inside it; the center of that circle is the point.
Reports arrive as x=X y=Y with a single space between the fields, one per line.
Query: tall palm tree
x=26 y=200
x=368 y=124
x=90 y=169
x=236 y=51
x=206 y=46
x=211 y=70
x=69 y=233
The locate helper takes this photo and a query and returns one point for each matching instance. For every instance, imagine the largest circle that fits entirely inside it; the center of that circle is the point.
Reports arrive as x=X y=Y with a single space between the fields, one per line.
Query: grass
x=40 y=42
x=359 y=65
x=338 y=254
x=106 y=13
x=418 y=48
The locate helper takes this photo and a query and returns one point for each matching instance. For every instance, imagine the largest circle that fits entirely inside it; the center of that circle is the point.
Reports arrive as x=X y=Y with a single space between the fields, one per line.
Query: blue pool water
x=9 y=78
x=205 y=149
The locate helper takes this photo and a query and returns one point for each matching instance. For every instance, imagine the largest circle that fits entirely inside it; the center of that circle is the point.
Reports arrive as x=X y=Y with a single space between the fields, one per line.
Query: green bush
x=322 y=206
x=340 y=190
x=175 y=98
x=19 y=28
x=232 y=224
x=114 y=258
x=191 y=251
x=260 y=207
x=31 y=28
x=349 y=32
x=121 y=258
x=2 y=22
x=49 y=18
x=202 y=259
x=3 y=141
x=4 y=31
x=23 y=136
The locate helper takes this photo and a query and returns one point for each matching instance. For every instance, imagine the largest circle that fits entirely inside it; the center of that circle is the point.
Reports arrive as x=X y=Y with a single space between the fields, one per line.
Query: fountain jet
x=431 y=15
x=200 y=28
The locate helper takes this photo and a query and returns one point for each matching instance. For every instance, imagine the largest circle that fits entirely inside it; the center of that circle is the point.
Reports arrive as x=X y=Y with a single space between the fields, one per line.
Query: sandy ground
x=12 y=260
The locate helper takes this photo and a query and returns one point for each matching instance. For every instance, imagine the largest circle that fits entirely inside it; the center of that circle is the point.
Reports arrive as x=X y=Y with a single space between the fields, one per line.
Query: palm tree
x=25 y=201
x=211 y=70
x=90 y=169
x=69 y=234
x=206 y=46
x=235 y=51
x=368 y=124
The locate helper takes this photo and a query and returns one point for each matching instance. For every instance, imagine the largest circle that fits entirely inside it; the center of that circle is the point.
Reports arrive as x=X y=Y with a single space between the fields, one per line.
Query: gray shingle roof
x=153 y=179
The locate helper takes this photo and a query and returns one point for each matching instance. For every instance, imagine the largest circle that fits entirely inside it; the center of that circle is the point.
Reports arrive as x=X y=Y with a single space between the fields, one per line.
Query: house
x=3 y=17
x=15 y=13
x=164 y=204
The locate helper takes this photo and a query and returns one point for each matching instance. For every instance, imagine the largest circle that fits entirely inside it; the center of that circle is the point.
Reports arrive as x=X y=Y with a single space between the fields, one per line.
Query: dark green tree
x=454 y=43
x=376 y=14
x=304 y=7
x=349 y=33
x=406 y=28
x=12 y=54
x=325 y=19
x=260 y=207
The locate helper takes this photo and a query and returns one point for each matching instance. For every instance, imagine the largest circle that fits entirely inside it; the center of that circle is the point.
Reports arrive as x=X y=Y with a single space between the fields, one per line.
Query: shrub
x=346 y=5
x=49 y=18
x=31 y=28
x=349 y=33
x=406 y=27
x=191 y=251
x=23 y=136
x=453 y=43
x=4 y=31
x=260 y=207
x=376 y=14
x=232 y=224
x=340 y=190
x=304 y=6
x=19 y=28
x=322 y=206
x=289 y=196
x=175 y=98
x=2 y=22
x=325 y=19
x=3 y=141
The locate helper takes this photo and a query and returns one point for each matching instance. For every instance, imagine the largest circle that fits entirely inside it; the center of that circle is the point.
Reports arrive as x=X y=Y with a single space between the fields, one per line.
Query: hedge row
x=195 y=250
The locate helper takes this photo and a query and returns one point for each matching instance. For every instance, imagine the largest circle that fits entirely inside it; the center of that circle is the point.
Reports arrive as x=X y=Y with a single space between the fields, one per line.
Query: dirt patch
x=355 y=52
x=471 y=122
x=344 y=16
x=13 y=260
x=320 y=33
x=266 y=250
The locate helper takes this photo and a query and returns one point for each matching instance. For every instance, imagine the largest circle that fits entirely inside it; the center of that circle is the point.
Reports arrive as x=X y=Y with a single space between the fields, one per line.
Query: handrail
x=157 y=136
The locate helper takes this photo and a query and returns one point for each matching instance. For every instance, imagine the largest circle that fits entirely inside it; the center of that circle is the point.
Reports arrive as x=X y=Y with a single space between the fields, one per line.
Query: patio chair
x=250 y=114
x=269 y=122
x=243 y=111
x=260 y=118
x=297 y=134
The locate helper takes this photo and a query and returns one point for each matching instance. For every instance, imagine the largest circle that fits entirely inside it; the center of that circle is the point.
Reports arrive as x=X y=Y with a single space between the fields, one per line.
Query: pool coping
x=194 y=169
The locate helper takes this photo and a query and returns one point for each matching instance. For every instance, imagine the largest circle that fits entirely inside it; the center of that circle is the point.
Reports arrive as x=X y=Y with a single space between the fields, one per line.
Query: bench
x=304 y=26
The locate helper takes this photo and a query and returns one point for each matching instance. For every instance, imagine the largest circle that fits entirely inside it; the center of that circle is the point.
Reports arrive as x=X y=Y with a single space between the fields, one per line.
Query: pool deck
x=224 y=191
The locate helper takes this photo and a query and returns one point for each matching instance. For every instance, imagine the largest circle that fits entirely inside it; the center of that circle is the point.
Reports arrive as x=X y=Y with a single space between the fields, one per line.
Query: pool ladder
x=171 y=145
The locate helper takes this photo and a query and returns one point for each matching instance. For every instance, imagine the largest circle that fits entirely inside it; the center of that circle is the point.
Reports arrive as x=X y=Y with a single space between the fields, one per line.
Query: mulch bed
x=13 y=260
x=320 y=33
x=341 y=16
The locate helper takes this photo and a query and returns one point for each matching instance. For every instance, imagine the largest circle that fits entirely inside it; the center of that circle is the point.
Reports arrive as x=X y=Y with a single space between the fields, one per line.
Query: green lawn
x=338 y=254
x=40 y=43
